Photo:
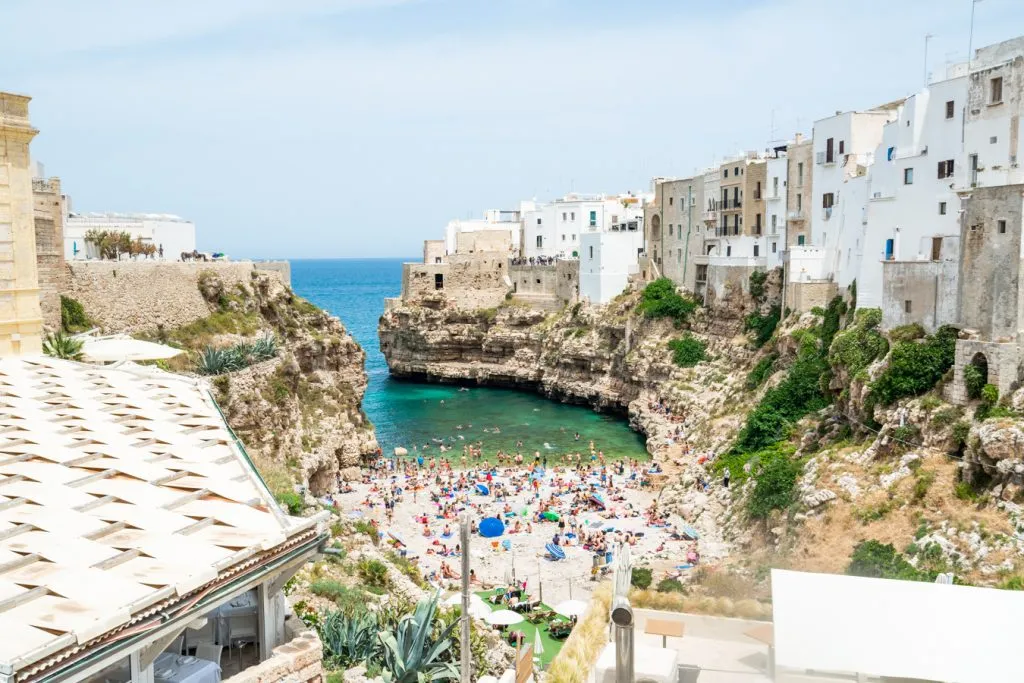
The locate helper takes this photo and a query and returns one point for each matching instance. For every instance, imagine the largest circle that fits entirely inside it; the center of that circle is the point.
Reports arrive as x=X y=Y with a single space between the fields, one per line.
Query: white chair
x=243 y=629
x=200 y=636
x=209 y=652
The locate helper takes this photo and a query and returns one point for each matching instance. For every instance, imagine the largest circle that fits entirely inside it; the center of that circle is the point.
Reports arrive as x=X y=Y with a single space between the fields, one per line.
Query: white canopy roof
x=118 y=348
x=884 y=627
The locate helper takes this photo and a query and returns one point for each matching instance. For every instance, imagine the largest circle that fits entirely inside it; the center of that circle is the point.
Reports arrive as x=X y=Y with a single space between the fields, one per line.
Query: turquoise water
x=407 y=413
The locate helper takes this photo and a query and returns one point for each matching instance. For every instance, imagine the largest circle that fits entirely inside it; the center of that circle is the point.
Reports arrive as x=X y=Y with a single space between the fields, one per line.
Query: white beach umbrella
x=571 y=608
x=504 y=617
x=479 y=610
x=456 y=599
x=538 y=644
x=113 y=349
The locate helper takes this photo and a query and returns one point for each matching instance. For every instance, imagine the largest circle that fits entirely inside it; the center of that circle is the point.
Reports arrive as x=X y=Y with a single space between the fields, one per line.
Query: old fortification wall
x=48 y=209
x=468 y=281
x=127 y=296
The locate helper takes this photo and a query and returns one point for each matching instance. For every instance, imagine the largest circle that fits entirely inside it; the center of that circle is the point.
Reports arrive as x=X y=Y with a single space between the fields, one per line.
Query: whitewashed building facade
x=173 y=234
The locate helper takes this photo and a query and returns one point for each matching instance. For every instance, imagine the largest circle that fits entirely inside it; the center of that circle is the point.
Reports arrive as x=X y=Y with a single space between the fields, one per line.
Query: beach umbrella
x=491 y=527
x=479 y=610
x=398 y=539
x=455 y=600
x=483 y=490
x=571 y=608
x=538 y=645
x=503 y=617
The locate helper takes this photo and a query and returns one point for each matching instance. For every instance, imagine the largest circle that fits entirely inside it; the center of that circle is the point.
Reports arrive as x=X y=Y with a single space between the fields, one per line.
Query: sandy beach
x=585 y=509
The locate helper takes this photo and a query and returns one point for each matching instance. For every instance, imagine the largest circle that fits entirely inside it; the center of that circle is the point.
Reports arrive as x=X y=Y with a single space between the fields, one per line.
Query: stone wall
x=132 y=296
x=434 y=251
x=484 y=241
x=567 y=281
x=799 y=156
x=300 y=660
x=990 y=259
x=1003 y=361
x=48 y=204
x=923 y=292
x=803 y=296
x=466 y=281
x=725 y=281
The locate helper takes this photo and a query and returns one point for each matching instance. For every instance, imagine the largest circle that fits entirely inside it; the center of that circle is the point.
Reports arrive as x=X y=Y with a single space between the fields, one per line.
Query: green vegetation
x=291 y=501
x=407 y=567
x=915 y=366
x=923 y=482
x=907 y=333
x=373 y=573
x=761 y=372
x=241 y=355
x=757 y=280
x=945 y=417
x=871 y=558
x=974 y=380
x=346 y=598
x=961 y=430
x=61 y=345
x=642 y=577
x=966 y=491
x=113 y=243
x=774 y=485
x=72 y=315
x=763 y=326
x=668 y=585
x=687 y=351
x=856 y=347
x=661 y=300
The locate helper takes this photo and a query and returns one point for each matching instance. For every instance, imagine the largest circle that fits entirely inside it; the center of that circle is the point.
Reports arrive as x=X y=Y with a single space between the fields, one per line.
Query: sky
x=359 y=128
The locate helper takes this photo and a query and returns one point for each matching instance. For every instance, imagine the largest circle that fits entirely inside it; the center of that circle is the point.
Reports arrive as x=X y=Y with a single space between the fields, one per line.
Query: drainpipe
x=689 y=226
x=661 y=227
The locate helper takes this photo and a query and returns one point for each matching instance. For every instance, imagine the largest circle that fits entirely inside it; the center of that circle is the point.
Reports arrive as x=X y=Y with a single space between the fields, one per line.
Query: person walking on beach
x=725 y=478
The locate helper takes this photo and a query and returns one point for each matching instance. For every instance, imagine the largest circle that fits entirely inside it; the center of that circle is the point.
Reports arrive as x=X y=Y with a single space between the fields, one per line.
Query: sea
x=409 y=414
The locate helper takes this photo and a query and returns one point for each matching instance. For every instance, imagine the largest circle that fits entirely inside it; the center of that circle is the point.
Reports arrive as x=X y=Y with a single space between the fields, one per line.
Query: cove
x=408 y=413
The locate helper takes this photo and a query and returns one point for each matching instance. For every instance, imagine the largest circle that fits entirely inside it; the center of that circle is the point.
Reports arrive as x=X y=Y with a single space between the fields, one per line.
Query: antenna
x=927 y=37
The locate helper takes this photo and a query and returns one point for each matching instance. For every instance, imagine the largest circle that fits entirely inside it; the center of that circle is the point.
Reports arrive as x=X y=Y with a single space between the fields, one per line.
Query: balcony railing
x=826 y=213
x=795 y=215
x=730 y=204
x=824 y=158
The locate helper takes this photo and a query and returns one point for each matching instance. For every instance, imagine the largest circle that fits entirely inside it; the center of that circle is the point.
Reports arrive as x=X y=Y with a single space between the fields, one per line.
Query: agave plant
x=412 y=654
x=60 y=345
x=264 y=348
x=213 y=362
x=350 y=639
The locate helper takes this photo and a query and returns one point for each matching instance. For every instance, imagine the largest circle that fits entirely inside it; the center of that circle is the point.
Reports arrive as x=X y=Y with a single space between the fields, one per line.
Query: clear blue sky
x=347 y=128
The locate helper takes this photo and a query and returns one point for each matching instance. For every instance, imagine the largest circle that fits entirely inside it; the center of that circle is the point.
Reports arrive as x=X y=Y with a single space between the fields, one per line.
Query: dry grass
x=746 y=608
x=582 y=648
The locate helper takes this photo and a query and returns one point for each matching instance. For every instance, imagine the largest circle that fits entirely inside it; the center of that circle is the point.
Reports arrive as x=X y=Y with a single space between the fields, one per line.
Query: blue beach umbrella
x=483 y=490
x=491 y=527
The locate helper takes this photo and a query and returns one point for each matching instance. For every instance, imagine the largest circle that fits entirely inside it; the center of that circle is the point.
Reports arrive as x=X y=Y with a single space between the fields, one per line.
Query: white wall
x=489 y=222
x=607 y=259
x=175 y=235
x=775 y=210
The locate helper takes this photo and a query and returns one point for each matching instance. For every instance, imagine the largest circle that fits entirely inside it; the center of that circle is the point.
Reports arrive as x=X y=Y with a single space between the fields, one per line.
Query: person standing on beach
x=725 y=478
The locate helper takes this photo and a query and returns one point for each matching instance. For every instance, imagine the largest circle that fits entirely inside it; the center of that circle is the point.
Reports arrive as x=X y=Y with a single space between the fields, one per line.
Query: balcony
x=772 y=196
x=711 y=216
x=822 y=158
x=796 y=215
x=731 y=204
x=826 y=213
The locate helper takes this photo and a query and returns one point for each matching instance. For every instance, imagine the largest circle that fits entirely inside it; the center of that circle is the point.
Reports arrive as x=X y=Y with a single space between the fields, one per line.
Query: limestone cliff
x=298 y=413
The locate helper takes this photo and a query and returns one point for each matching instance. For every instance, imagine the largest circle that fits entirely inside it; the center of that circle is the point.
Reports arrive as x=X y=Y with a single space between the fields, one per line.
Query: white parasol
x=538 y=645
x=112 y=349
x=455 y=600
x=571 y=608
x=504 y=617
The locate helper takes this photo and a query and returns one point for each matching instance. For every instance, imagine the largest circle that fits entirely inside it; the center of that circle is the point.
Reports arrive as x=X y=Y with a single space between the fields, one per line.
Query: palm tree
x=60 y=345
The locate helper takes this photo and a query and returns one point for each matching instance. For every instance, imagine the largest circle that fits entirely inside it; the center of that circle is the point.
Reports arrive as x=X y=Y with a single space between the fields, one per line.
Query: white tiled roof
x=118 y=489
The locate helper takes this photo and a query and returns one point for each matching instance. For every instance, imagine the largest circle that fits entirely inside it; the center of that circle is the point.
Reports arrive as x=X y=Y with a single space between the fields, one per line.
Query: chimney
x=798 y=138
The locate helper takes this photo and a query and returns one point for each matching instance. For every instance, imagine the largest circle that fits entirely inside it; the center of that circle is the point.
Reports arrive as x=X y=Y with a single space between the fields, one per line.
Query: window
x=842 y=146
x=993 y=140
x=799 y=201
x=946 y=168
x=995 y=90
x=563 y=237
x=800 y=240
x=906 y=306
x=757 y=224
x=757 y=250
x=669 y=229
x=757 y=191
x=828 y=200
x=736 y=171
x=563 y=215
x=889 y=249
x=1002 y=227
x=615 y=218
x=593 y=218
x=775 y=186
x=942 y=208
x=725 y=173
x=591 y=253
x=679 y=255
x=437 y=259
x=438 y=281
x=800 y=174
x=829 y=151
x=574 y=237
x=670 y=201
x=774 y=223
x=936 y=248
x=572 y=216
x=540 y=241
x=728 y=251
x=774 y=244
x=949 y=109
x=538 y=221
x=908 y=176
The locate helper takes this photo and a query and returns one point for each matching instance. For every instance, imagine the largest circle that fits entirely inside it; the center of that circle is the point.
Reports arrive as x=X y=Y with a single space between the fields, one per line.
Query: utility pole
x=464 y=674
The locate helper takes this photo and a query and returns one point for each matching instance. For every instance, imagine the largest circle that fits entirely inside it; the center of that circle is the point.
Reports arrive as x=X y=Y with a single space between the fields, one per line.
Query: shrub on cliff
x=761 y=371
x=72 y=315
x=859 y=345
x=661 y=300
x=687 y=351
x=874 y=559
x=915 y=366
x=763 y=326
x=774 y=485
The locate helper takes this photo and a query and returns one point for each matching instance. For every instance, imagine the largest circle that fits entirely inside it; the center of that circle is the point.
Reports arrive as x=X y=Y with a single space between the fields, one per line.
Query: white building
x=173 y=234
x=775 y=200
x=608 y=258
x=554 y=229
x=507 y=221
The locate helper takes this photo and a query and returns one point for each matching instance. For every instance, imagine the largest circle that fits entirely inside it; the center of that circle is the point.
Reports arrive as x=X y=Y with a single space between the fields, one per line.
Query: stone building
x=49 y=207
x=800 y=154
x=20 y=316
x=674 y=234
x=991 y=300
